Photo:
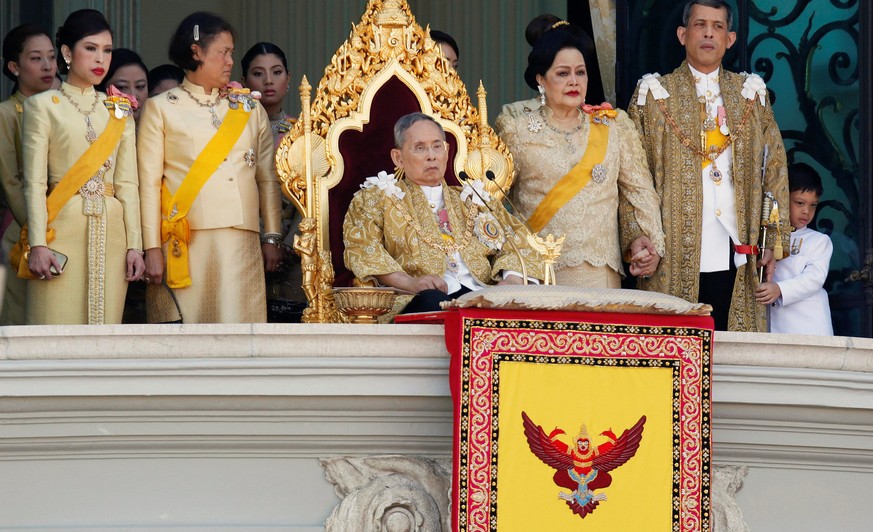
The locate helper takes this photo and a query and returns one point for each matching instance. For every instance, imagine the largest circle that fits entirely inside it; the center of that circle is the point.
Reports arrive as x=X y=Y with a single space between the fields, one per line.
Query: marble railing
x=348 y=427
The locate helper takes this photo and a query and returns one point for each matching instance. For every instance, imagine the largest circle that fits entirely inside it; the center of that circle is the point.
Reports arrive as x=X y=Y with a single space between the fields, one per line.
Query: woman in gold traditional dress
x=69 y=137
x=206 y=177
x=265 y=69
x=573 y=163
x=29 y=61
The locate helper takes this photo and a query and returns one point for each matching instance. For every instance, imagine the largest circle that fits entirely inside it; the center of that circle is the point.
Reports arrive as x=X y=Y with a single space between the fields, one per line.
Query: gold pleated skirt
x=585 y=275
x=227 y=281
x=65 y=299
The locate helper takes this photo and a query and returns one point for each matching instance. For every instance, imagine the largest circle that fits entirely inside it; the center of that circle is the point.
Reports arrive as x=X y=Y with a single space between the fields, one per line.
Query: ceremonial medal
x=487 y=229
x=715 y=175
x=722 y=121
x=709 y=124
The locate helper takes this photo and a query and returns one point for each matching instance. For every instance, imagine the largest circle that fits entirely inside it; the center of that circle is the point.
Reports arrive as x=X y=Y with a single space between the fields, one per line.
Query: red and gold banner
x=580 y=421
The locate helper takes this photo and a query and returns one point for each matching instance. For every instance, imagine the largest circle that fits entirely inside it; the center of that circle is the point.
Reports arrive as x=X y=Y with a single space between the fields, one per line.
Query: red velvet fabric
x=365 y=154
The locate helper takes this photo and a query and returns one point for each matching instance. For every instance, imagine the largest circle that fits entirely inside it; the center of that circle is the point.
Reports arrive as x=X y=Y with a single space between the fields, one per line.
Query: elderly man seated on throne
x=412 y=231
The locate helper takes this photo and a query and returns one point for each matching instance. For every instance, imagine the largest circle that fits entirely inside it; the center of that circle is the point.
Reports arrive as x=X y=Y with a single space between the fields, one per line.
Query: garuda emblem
x=581 y=468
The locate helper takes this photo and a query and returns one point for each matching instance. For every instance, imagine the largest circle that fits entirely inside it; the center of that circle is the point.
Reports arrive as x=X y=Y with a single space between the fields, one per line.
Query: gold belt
x=108 y=189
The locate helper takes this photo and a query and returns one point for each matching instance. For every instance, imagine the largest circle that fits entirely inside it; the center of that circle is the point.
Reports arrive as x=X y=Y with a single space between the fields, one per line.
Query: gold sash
x=176 y=206
x=575 y=180
x=78 y=174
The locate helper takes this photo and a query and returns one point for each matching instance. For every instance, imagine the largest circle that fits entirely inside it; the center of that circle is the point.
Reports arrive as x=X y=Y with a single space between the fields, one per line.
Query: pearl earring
x=542 y=94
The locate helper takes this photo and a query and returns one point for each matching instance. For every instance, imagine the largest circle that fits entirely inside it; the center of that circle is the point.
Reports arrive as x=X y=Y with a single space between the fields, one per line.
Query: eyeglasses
x=438 y=148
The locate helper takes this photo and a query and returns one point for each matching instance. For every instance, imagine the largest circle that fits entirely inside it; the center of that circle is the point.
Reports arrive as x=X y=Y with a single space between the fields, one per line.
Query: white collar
x=434 y=194
x=705 y=81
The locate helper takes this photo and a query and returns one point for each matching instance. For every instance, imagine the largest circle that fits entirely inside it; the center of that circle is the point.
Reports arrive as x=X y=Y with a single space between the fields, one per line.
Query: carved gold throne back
x=388 y=67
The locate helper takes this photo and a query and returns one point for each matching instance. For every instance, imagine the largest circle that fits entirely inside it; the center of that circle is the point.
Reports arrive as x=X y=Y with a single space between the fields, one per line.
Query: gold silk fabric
x=173 y=130
x=678 y=181
x=379 y=240
x=590 y=219
x=94 y=234
x=11 y=181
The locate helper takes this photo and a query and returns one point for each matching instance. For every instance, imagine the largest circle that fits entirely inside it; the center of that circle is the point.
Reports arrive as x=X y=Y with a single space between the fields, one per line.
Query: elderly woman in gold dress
x=79 y=149
x=30 y=62
x=574 y=163
x=205 y=165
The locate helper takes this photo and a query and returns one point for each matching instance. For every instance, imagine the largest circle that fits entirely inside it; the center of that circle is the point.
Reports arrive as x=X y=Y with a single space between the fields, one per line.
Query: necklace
x=90 y=134
x=216 y=122
x=712 y=152
x=567 y=134
x=448 y=246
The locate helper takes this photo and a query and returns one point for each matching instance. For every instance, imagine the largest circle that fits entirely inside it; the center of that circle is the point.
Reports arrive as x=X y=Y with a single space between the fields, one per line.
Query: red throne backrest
x=365 y=154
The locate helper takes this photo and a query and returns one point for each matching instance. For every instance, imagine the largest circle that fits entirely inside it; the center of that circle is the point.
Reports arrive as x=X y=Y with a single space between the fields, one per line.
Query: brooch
x=121 y=106
x=488 y=231
x=534 y=122
x=598 y=173
x=250 y=157
x=237 y=95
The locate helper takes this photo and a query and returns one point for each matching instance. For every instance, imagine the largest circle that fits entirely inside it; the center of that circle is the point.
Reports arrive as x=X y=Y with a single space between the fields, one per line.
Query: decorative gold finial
x=549 y=249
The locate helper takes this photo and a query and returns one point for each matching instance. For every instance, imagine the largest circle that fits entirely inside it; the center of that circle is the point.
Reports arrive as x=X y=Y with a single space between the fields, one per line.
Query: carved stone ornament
x=726 y=514
x=389 y=494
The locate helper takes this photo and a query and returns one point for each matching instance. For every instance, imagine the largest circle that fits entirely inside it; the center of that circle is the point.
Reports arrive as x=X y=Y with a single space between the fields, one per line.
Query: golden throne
x=388 y=67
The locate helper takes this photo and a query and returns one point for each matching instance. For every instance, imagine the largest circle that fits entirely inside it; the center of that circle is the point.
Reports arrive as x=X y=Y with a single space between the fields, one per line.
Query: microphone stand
x=464 y=177
x=549 y=248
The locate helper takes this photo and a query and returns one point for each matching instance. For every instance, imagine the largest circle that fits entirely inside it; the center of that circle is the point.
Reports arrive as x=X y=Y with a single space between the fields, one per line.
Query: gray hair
x=405 y=122
x=717 y=4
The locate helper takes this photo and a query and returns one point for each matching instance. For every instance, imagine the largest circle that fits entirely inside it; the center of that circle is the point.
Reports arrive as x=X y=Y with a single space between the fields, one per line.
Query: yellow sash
x=575 y=180
x=78 y=174
x=713 y=138
x=175 y=224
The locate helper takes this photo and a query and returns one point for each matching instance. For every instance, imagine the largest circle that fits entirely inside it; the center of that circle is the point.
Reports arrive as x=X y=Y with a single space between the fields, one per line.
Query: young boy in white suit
x=799 y=303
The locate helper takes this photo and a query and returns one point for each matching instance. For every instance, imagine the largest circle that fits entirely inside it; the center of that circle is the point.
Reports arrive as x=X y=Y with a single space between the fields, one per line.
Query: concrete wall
x=221 y=427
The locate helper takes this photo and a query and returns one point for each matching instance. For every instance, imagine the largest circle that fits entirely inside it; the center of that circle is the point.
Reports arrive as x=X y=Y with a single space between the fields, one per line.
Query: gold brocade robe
x=379 y=240
x=11 y=169
x=678 y=181
x=93 y=283
x=589 y=220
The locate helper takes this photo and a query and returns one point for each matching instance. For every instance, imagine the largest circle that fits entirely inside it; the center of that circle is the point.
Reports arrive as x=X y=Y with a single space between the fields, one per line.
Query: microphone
x=463 y=176
x=491 y=177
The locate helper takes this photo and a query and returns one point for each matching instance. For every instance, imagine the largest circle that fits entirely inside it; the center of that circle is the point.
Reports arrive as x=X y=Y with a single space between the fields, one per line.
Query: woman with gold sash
x=29 y=61
x=574 y=163
x=80 y=187
x=206 y=175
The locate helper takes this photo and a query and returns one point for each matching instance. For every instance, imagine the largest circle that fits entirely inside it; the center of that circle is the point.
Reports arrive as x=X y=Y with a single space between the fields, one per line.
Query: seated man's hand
x=511 y=279
x=404 y=281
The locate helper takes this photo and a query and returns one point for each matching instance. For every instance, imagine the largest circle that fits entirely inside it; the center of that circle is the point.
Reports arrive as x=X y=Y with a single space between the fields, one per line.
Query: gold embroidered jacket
x=380 y=240
x=676 y=171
